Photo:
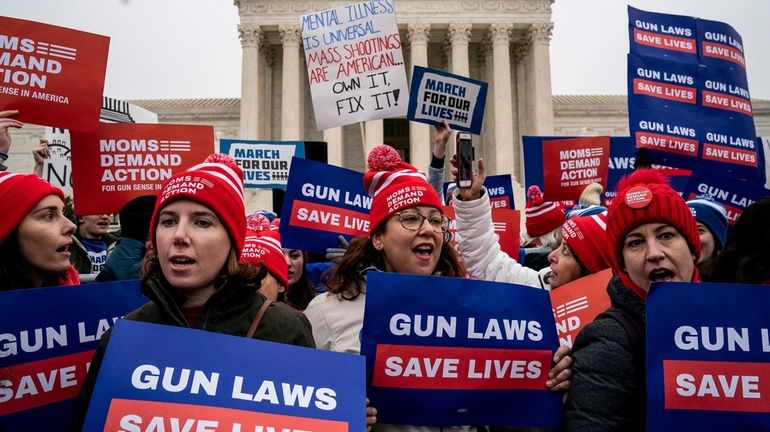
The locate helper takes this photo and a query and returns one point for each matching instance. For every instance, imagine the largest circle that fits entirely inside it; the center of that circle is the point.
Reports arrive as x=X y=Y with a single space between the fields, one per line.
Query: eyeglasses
x=412 y=221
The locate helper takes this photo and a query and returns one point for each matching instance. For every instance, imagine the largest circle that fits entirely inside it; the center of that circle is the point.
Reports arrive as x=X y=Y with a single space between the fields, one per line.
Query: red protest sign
x=577 y=303
x=507 y=224
x=571 y=164
x=53 y=75
x=126 y=160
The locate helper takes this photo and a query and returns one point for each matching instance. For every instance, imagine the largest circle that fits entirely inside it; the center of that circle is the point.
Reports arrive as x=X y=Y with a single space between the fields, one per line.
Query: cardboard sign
x=708 y=363
x=202 y=381
x=499 y=188
x=436 y=96
x=53 y=75
x=670 y=37
x=571 y=164
x=354 y=63
x=265 y=164
x=57 y=169
x=734 y=194
x=481 y=355
x=507 y=223
x=125 y=161
x=47 y=339
x=323 y=201
x=577 y=303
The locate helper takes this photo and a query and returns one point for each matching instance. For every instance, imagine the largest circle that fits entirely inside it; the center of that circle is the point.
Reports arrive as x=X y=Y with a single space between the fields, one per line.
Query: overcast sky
x=189 y=48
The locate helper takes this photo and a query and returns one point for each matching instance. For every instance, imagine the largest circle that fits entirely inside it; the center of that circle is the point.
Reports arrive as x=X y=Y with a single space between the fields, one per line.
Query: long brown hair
x=15 y=270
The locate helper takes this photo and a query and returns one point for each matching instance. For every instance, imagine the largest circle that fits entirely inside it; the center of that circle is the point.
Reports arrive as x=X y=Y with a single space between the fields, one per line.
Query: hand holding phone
x=464 y=159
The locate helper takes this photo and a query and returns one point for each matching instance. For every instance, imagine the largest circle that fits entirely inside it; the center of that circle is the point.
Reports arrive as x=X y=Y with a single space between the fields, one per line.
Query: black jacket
x=230 y=310
x=608 y=391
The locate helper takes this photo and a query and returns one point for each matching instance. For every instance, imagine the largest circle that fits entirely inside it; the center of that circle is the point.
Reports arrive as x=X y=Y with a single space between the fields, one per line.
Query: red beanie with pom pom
x=263 y=245
x=542 y=216
x=217 y=183
x=646 y=197
x=19 y=194
x=395 y=185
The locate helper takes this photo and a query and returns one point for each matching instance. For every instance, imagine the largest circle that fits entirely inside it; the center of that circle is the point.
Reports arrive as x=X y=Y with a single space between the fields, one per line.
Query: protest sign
x=720 y=43
x=53 y=75
x=661 y=85
x=506 y=222
x=499 y=188
x=436 y=96
x=354 y=63
x=481 y=355
x=265 y=164
x=323 y=201
x=571 y=164
x=734 y=194
x=670 y=37
x=201 y=380
x=577 y=303
x=708 y=357
x=47 y=339
x=125 y=161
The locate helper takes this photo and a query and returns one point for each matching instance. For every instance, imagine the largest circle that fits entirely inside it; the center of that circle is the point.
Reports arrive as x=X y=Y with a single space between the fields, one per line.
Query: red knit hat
x=217 y=183
x=263 y=245
x=395 y=185
x=19 y=194
x=643 y=197
x=542 y=216
x=586 y=237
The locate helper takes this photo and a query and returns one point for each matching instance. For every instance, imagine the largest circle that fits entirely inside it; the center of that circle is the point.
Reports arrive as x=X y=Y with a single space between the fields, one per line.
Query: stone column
x=520 y=59
x=420 y=144
x=251 y=38
x=290 y=103
x=500 y=35
x=266 y=86
x=459 y=35
x=488 y=137
x=374 y=131
x=541 y=66
x=334 y=147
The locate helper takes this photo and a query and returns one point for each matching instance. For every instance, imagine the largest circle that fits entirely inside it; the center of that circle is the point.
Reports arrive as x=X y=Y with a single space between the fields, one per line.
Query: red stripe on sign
x=43 y=382
x=136 y=415
x=452 y=368
x=727 y=102
x=724 y=52
x=668 y=42
x=665 y=91
x=328 y=218
x=667 y=143
x=729 y=155
x=717 y=386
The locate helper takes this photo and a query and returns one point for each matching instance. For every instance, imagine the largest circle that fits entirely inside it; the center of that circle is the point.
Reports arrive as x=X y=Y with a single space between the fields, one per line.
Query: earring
x=377 y=245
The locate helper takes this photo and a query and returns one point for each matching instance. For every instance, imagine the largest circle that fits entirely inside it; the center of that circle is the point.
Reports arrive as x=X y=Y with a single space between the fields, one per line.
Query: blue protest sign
x=708 y=357
x=436 y=96
x=671 y=37
x=47 y=339
x=323 y=201
x=499 y=188
x=670 y=140
x=265 y=164
x=734 y=194
x=719 y=43
x=661 y=85
x=211 y=381
x=481 y=355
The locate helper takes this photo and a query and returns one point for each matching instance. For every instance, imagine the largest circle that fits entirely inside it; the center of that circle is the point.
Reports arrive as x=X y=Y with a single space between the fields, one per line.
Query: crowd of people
x=204 y=264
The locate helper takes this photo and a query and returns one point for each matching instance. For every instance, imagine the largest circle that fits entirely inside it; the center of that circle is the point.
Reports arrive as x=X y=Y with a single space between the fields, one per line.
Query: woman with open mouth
x=652 y=237
x=35 y=236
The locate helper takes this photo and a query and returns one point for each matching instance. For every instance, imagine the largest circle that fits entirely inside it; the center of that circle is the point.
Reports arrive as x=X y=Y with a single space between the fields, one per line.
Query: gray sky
x=189 y=48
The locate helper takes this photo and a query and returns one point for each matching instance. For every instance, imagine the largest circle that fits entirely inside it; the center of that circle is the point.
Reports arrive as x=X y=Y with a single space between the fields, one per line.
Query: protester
x=589 y=202
x=301 y=290
x=262 y=249
x=436 y=169
x=712 y=227
x=125 y=259
x=582 y=251
x=90 y=243
x=35 y=236
x=191 y=273
x=5 y=137
x=399 y=241
x=745 y=257
x=652 y=236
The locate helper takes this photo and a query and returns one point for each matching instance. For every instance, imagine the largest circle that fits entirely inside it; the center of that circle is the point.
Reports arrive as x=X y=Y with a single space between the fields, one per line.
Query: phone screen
x=465 y=157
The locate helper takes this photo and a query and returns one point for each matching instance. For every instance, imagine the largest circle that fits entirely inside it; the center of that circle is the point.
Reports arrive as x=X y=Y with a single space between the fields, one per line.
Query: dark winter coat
x=230 y=310
x=79 y=255
x=608 y=391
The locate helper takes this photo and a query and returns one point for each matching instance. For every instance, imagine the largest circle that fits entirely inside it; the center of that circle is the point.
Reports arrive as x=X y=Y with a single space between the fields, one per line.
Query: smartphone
x=464 y=159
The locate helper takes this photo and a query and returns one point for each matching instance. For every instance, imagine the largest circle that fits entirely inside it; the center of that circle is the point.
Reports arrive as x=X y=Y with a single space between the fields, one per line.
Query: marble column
x=374 y=132
x=488 y=131
x=541 y=67
x=266 y=86
x=334 y=146
x=459 y=35
x=500 y=35
x=420 y=144
x=520 y=61
x=291 y=110
x=251 y=38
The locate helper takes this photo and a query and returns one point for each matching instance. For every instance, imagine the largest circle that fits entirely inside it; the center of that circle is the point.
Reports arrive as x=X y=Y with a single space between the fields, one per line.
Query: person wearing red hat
x=651 y=236
x=191 y=272
x=581 y=252
x=35 y=236
x=262 y=248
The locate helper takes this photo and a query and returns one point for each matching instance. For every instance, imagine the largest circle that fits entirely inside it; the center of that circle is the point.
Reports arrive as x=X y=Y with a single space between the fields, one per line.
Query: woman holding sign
x=191 y=272
x=652 y=237
x=35 y=236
